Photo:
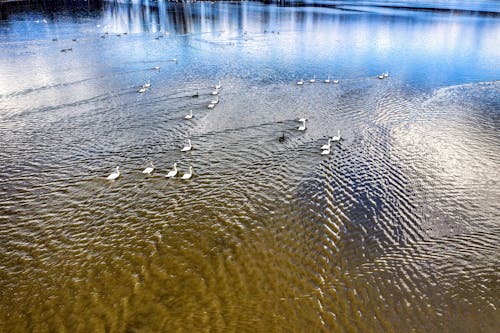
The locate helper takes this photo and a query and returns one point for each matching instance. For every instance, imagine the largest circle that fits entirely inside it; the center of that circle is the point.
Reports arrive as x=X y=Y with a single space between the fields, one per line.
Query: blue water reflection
x=453 y=43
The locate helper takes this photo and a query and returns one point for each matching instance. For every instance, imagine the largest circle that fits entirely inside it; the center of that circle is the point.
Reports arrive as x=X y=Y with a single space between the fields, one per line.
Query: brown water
x=396 y=230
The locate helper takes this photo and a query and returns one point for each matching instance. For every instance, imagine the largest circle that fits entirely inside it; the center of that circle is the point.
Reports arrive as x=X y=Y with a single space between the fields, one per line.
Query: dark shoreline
x=8 y=7
x=11 y=6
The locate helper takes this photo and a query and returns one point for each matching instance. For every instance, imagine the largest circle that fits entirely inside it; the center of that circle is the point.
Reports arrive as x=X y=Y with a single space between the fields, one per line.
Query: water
x=396 y=230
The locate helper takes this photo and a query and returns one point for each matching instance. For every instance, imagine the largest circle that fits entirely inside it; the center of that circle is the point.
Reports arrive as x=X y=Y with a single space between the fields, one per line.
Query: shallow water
x=396 y=230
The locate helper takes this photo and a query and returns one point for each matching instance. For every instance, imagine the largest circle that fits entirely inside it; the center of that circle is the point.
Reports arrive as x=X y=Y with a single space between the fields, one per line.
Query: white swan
x=211 y=105
x=300 y=82
x=215 y=101
x=149 y=169
x=215 y=92
x=218 y=86
x=142 y=90
x=313 y=79
x=381 y=76
x=188 y=147
x=326 y=151
x=172 y=173
x=114 y=174
x=328 y=79
x=386 y=74
x=337 y=137
x=147 y=85
x=303 y=126
x=189 y=174
x=327 y=146
x=190 y=115
x=336 y=81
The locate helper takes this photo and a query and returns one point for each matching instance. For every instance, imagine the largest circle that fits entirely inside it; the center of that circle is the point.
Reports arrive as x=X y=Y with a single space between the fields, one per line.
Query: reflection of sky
x=418 y=45
x=427 y=48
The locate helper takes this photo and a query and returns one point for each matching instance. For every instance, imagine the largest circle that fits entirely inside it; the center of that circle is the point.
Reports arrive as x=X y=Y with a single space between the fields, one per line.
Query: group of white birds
x=172 y=173
x=149 y=170
x=215 y=101
x=383 y=75
x=329 y=80
x=145 y=87
x=325 y=149
x=313 y=80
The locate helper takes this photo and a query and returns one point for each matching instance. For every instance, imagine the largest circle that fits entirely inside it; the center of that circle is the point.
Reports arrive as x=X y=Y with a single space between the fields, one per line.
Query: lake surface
x=396 y=230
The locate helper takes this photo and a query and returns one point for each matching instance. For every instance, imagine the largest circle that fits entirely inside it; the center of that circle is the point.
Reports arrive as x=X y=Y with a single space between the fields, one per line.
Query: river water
x=396 y=230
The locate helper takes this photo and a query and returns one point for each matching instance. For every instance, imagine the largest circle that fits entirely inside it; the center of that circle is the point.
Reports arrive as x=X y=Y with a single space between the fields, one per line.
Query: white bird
x=303 y=126
x=188 y=147
x=215 y=92
x=190 y=115
x=337 y=137
x=211 y=106
x=149 y=169
x=327 y=146
x=303 y=119
x=142 y=90
x=189 y=174
x=147 y=85
x=326 y=151
x=386 y=74
x=218 y=86
x=157 y=68
x=114 y=174
x=215 y=101
x=172 y=173
x=381 y=76
x=336 y=81
x=328 y=79
x=300 y=82
x=313 y=79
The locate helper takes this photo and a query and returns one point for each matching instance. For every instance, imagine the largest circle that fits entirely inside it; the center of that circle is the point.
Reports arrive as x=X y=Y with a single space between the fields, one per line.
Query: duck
x=190 y=115
x=188 y=147
x=303 y=126
x=114 y=174
x=313 y=79
x=327 y=146
x=328 y=79
x=218 y=86
x=149 y=170
x=172 y=173
x=189 y=174
x=337 y=137
x=195 y=95
x=300 y=82
x=282 y=137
